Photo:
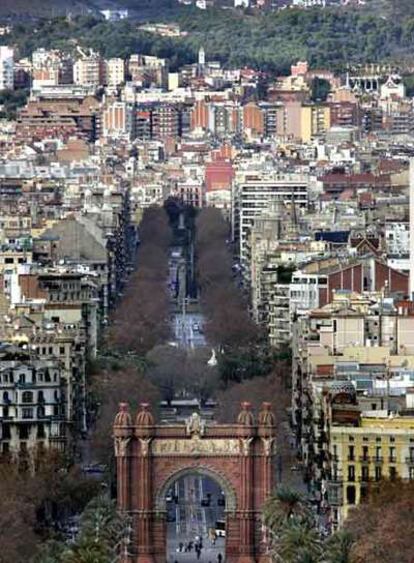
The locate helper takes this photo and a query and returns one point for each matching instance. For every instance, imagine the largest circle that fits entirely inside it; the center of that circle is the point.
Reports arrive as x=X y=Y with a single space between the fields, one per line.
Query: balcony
x=378 y=459
x=392 y=459
x=364 y=458
x=409 y=460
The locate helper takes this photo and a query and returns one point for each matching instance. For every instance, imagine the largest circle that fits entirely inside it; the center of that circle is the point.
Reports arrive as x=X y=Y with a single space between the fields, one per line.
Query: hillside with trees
x=330 y=38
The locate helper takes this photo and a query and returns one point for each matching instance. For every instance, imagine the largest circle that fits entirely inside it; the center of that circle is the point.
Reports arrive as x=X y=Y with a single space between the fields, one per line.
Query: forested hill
x=329 y=38
x=41 y=8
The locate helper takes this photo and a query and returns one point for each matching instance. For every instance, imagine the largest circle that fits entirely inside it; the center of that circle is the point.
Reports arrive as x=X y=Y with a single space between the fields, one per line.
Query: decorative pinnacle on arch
x=144 y=416
x=266 y=416
x=246 y=417
x=123 y=418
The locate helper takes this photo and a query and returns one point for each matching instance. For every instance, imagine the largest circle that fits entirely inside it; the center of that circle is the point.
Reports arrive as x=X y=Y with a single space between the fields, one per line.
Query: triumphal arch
x=240 y=457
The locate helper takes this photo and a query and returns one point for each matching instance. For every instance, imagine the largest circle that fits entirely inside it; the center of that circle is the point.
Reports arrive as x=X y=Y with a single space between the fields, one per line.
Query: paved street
x=188 y=330
x=190 y=520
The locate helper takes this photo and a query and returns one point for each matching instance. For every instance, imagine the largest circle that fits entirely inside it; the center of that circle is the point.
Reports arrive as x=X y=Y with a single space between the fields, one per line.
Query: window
x=40 y=397
x=351 y=438
x=351 y=473
x=40 y=431
x=6 y=397
x=378 y=453
x=411 y=454
x=27 y=397
x=23 y=431
x=351 y=452
x=365 y=473
x=392 y=438
x=392 y=454
x=393 y=473
x=22 y=378
x=411 y=473
x=27 y=412
x=5 y=432
x=364 y=493
x=61 y=350
x=350 y=494
x=378 y=473
x=5 y=447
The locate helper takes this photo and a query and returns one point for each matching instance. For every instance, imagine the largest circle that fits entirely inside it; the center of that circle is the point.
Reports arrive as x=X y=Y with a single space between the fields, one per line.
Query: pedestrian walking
x=181 y=545
x=198 y=553
x=219 y=558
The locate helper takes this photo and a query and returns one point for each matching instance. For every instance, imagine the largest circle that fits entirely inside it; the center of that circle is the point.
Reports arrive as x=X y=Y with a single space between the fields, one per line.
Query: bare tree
x=112 y=388
x=142 y=318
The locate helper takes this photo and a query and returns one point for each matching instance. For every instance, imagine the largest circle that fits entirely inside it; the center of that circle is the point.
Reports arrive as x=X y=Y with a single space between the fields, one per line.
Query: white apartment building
x=397 y=238
x=114 y=72
x=254 y=191
x=88 y=71
x=32 y=416
x=304 y=292
x=6 y=68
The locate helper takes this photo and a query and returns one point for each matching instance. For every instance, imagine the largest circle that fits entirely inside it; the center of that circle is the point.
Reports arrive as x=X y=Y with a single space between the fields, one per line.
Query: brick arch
x=203 y=471
x=240 y=457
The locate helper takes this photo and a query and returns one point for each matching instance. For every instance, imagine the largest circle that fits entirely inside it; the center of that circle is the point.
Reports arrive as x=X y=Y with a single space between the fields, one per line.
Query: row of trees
x=103 y=536
x=229 y=327
x=140 y=325
x=33 y=505
x=380 y=530
x=141 y=319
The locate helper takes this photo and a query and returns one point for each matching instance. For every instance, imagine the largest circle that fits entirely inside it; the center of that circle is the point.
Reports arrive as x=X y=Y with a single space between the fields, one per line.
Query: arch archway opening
x=196 y=503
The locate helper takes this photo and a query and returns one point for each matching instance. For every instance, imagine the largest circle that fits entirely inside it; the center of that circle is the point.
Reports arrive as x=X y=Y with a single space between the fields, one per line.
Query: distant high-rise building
x=201 y=56
x=6 y=68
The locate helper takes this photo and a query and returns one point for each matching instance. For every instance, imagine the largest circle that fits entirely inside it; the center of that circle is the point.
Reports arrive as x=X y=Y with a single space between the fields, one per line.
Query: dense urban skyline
x=206 y=281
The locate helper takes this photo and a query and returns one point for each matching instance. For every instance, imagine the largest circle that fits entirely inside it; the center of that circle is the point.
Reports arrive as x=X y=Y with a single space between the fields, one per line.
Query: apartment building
x=118 y=120
x=32 y=416
x=364 y=450
x=6 y=68
x=89 y=70
x=114 y=71
x=255 y=191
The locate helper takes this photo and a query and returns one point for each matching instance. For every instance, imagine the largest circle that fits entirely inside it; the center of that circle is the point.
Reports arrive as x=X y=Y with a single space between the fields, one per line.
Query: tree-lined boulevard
x=144 y=357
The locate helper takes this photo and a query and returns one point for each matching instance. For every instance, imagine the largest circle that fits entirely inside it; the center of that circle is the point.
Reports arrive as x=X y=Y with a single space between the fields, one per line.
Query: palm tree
x=338 y=548
x=86 y=554
x=284 y=504
x=298 y=542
